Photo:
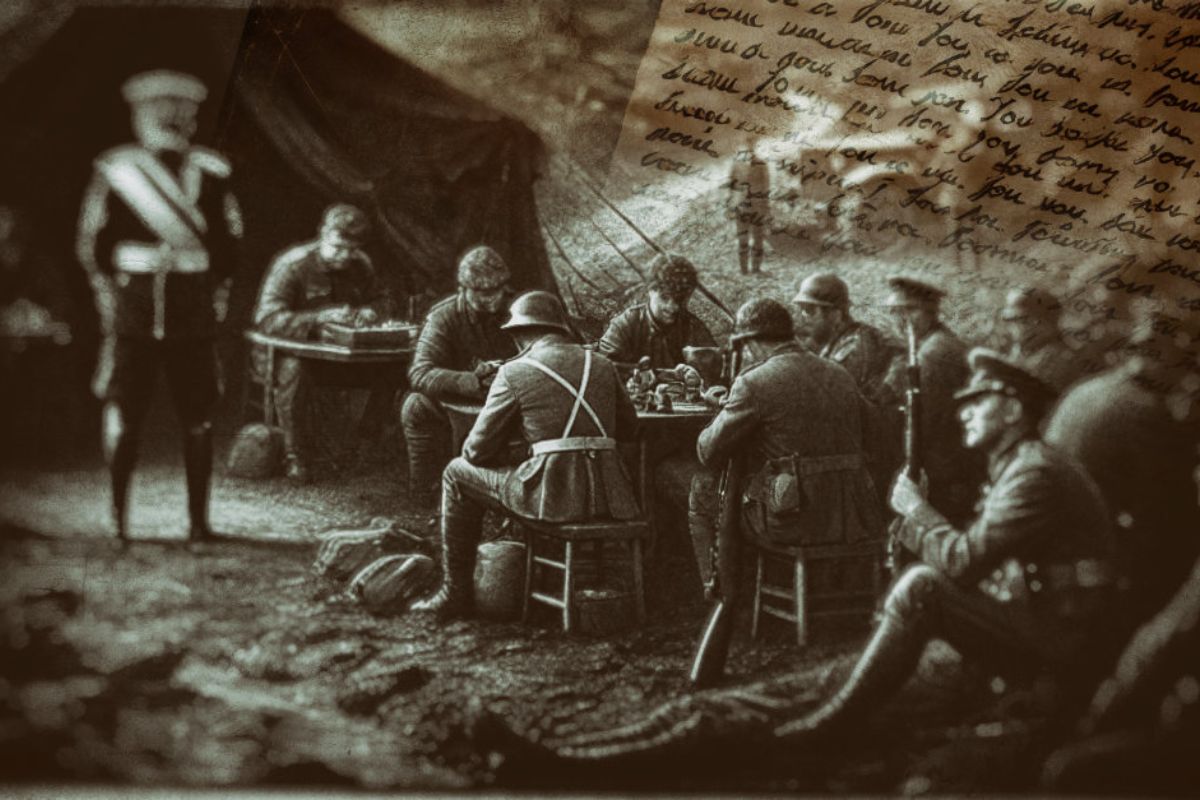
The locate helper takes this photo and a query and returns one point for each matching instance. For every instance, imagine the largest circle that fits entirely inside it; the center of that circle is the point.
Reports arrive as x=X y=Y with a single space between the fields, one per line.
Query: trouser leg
x=756 y=247
x=467 y=493
x=192 y=375
x=135 y=365
x=427 y=439
x=291 y=389
x=743 y=239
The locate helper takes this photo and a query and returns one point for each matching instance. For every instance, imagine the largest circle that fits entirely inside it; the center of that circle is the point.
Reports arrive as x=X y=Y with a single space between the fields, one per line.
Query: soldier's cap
x=993 y=373
x=1030 y=302
x=908 y=292
x=823 y=289
x=163 y=83
x=762 y=318
x=673 y=275
x=482 y=268
x=537 y=310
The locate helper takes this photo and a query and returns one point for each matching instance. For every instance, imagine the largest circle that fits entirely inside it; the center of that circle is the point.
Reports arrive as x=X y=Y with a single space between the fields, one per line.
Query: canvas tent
x=308 y=110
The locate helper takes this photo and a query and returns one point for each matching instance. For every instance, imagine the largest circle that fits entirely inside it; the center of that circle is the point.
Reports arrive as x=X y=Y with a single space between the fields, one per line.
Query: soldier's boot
x=454 y=598
x=197 y=464
x=888 y=661
x=120 y=451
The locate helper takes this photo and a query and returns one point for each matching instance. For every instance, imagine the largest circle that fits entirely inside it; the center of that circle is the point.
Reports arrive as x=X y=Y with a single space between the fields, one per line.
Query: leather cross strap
x=580 y=401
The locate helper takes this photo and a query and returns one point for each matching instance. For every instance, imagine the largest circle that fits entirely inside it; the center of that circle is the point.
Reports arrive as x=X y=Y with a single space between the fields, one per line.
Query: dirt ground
x=230 y=665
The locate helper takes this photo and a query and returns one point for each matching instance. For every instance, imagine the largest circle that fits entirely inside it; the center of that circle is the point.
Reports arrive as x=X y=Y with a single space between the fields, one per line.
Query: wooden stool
x=798 y=593
x=573 y=535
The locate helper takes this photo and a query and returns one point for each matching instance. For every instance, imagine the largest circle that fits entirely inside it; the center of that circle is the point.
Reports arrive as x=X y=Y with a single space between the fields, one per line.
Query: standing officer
x=1024 y=587
x=327 y=280
x=750 y=189
x=824 y=305
x=1030 y=318
x=460 y=349
x=570 y=406
x=661 y=327
x=157 y=235
x=954 y=473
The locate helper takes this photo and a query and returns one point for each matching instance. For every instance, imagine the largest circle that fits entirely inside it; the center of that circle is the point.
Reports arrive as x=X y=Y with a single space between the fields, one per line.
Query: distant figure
x=570 y=406
x=457 y=357
x=955 y=473
x=1135 y=428
x=328 y=280
x=157 y=234
x=1030 y=319
x=750 y=188
x=661 y=327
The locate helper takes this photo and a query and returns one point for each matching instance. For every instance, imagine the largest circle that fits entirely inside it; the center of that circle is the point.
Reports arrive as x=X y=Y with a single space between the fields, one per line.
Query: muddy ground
x=230 y=665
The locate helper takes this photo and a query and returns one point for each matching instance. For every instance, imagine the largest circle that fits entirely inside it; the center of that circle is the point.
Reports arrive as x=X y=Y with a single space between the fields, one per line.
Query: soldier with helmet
x=662 y=326
x=158 y=233
x=797 y=420
x=824 y=304
x=329 y=280
x=457 y=356
x=954 y=472
x=1025 y=587
x=1030 y=318
x=568 y=403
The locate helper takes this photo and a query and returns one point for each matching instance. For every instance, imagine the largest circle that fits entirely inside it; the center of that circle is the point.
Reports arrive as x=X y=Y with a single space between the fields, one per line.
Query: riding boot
x=460 y=536
x=888 y=661
x=197 y=462
x=122 y=456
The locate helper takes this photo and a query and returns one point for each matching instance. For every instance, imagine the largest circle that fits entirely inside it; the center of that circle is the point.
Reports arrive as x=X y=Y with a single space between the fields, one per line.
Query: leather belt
x=572 y=444
x=142 y=257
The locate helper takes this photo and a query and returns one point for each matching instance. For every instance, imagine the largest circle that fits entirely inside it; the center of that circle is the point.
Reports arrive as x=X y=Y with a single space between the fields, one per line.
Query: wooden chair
x=574 y=536
x=798 y=596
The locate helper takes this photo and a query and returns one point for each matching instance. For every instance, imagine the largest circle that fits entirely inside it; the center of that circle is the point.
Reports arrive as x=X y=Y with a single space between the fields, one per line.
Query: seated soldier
x=796 y=420
x=330 y=280
x=661 y=327
x=1030 y=322
x=460 y=349
x=1025 y=587
x=570 y=406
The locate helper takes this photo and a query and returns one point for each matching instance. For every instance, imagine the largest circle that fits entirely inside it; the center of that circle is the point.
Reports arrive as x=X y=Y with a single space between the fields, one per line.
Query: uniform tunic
x=634 y=334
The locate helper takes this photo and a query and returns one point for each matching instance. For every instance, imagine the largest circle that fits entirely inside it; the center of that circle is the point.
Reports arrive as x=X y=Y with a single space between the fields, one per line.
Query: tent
x=309 y=111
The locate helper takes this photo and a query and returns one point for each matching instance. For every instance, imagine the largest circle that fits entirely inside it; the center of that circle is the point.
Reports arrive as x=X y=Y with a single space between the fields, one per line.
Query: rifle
x=897 y=556
x=708 y=664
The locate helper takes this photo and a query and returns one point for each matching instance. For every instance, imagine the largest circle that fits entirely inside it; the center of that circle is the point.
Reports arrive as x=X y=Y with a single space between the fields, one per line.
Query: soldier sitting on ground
x=1025 y=587
x=329 y=280
x=570 y=406
x=460 y=349
x=662 y=326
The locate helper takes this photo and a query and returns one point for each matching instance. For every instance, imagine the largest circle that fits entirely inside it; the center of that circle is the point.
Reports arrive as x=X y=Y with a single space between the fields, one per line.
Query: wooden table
x=318 y=351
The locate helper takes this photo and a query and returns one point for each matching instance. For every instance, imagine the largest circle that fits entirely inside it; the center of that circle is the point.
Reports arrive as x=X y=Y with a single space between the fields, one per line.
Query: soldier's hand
x=906 y=495
x=485 y=371
x=334 y=314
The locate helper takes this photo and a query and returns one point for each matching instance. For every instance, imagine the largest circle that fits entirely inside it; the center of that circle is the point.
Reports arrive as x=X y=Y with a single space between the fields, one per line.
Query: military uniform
x=158 y=234
x=866 y=354
x=1052 y=360
x=298 y=286
x=1142 y=457
x=454 y=339
x=634 y=334
x=750 y=183
x=954 y=472
x=570 y=406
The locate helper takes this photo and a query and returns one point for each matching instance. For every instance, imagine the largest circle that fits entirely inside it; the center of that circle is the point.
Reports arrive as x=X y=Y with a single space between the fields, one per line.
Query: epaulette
x=293 y=254
x=210 y=161
x=445 y=301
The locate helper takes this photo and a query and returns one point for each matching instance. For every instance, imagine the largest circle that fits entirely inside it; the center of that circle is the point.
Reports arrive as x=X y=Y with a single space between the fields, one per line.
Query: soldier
x=797 y=422
x=329 y=280
x=661 y=327
x=1134 y=428
x=1024 y=587
x=954 y=473
x=1030 y=318
x=824 y=304
x=570 y=406
x=750 y=189
x=157 y=235
x=460 y=349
